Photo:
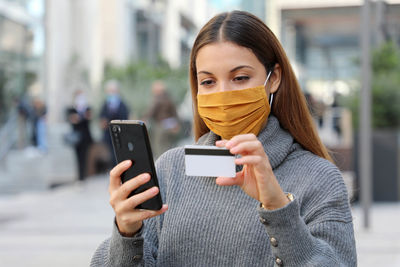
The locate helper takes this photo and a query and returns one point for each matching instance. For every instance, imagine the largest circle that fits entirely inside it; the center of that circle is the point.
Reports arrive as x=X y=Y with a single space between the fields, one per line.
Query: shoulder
x=304 y=162
x=70 y=110
x=317 y=183
x=313 y=175
x=321 y=171
x=123 y=105
x=318 y=163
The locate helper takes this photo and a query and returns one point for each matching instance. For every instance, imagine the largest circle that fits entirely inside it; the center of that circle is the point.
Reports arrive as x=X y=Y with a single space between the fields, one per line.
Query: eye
x=207 y=82
x=241 y=78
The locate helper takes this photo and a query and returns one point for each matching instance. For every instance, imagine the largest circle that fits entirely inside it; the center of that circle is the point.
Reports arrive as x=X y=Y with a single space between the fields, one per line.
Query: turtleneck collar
x=276 y=141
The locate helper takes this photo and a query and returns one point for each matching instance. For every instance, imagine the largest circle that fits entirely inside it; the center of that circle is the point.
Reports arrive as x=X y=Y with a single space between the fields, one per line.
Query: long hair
x=290 y=107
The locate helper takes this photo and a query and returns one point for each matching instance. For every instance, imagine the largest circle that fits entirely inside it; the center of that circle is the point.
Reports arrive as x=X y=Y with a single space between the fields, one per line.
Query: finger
x=136 y=215
x=121 y=194
x=251 y=159
x=147 y=214
x=115 y=174
x=221 y=143
x=139 y=198
x=126 y=188
x=240 y=138
x=247 y=147
x=229 y=181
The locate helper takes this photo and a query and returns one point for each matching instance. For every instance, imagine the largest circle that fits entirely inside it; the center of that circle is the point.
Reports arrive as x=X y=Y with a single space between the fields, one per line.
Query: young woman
x=288 y=203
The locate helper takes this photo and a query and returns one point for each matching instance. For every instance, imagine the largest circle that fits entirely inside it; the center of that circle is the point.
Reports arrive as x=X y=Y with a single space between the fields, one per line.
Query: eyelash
x=238 y=79
x=206 y=82
x=241 y=78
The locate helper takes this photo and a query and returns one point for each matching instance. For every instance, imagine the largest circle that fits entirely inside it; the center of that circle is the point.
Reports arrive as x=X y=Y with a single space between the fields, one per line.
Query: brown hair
x=290 y=107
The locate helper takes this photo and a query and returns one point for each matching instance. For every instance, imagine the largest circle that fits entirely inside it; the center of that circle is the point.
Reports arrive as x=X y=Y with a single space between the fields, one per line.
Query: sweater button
x=263 y=221
x=274 y=242
x=137 y=257
x=137 y=243
x=278 y=262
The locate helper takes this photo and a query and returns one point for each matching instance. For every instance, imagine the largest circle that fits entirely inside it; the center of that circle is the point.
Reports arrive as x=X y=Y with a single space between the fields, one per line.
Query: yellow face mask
x=230 y=113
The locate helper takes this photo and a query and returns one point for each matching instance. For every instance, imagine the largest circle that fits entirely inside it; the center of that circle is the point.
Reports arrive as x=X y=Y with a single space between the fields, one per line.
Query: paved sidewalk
x=379 y=245
x=63 y=227
x=29 y=170
x=60 y=228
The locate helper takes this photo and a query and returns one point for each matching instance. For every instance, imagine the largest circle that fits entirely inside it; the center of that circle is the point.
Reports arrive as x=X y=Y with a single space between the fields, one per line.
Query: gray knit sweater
x=211 y=225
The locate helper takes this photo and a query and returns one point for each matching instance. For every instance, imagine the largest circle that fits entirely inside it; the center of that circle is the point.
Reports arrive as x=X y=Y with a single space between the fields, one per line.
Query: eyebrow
x=232 y=70
x=241 y=67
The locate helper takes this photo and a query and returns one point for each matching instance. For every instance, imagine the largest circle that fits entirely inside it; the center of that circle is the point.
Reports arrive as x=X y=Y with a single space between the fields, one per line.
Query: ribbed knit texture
x=211 y=225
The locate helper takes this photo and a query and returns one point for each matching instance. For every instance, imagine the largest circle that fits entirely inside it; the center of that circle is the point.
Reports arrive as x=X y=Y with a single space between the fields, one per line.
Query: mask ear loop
x=271 y=96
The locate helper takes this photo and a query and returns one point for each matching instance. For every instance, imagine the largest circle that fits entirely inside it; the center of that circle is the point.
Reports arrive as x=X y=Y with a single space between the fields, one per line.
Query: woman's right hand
x=129 y=219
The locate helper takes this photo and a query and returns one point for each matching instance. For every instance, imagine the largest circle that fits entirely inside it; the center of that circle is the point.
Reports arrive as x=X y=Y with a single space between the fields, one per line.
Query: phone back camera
x=116 y=129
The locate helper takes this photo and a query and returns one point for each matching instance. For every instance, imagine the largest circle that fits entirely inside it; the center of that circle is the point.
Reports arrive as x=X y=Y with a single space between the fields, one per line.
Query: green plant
x=136 y=78
x=385 y=85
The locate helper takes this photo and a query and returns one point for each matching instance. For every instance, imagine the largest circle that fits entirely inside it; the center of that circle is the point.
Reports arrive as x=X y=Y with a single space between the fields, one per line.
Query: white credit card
x=209 y=161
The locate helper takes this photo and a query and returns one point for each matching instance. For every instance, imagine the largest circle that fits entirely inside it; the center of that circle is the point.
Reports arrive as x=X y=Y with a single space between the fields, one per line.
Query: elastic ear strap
x=266 y=80
x=271 y=98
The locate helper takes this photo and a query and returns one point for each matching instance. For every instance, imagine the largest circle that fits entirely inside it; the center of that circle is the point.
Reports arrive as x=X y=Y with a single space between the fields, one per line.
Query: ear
x=275 y=79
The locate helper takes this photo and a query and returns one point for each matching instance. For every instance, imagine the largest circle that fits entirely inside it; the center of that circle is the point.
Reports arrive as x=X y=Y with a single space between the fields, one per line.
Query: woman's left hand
x=256 y=178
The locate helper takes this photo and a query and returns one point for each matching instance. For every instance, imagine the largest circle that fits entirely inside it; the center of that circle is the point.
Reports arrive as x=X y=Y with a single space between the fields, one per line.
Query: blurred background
x=67 y=67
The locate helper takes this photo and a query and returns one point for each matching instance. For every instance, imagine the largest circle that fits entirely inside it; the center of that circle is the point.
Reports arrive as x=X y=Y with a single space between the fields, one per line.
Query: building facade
x=21 y=51
x=84 y=36
x=322 y=39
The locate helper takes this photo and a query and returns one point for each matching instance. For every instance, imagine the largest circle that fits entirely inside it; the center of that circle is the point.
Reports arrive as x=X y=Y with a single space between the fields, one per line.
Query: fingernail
x=127 y=163
x=154 y=190
x=145 y=176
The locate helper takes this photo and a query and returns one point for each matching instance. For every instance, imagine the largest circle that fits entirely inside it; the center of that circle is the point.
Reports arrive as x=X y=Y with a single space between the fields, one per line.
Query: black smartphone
x=131 y=141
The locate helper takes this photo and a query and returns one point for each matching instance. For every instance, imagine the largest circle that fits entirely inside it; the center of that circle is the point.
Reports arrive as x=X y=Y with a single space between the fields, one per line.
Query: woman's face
x=225 y=66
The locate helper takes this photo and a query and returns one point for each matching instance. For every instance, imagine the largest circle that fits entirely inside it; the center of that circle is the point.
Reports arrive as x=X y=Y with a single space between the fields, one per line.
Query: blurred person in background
x=39 y=131
x=163 y=118
x=113 y=108
x=24 y=113
x=287 y=205
x=317 y=108
x=79 y=116
x=336 y=116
